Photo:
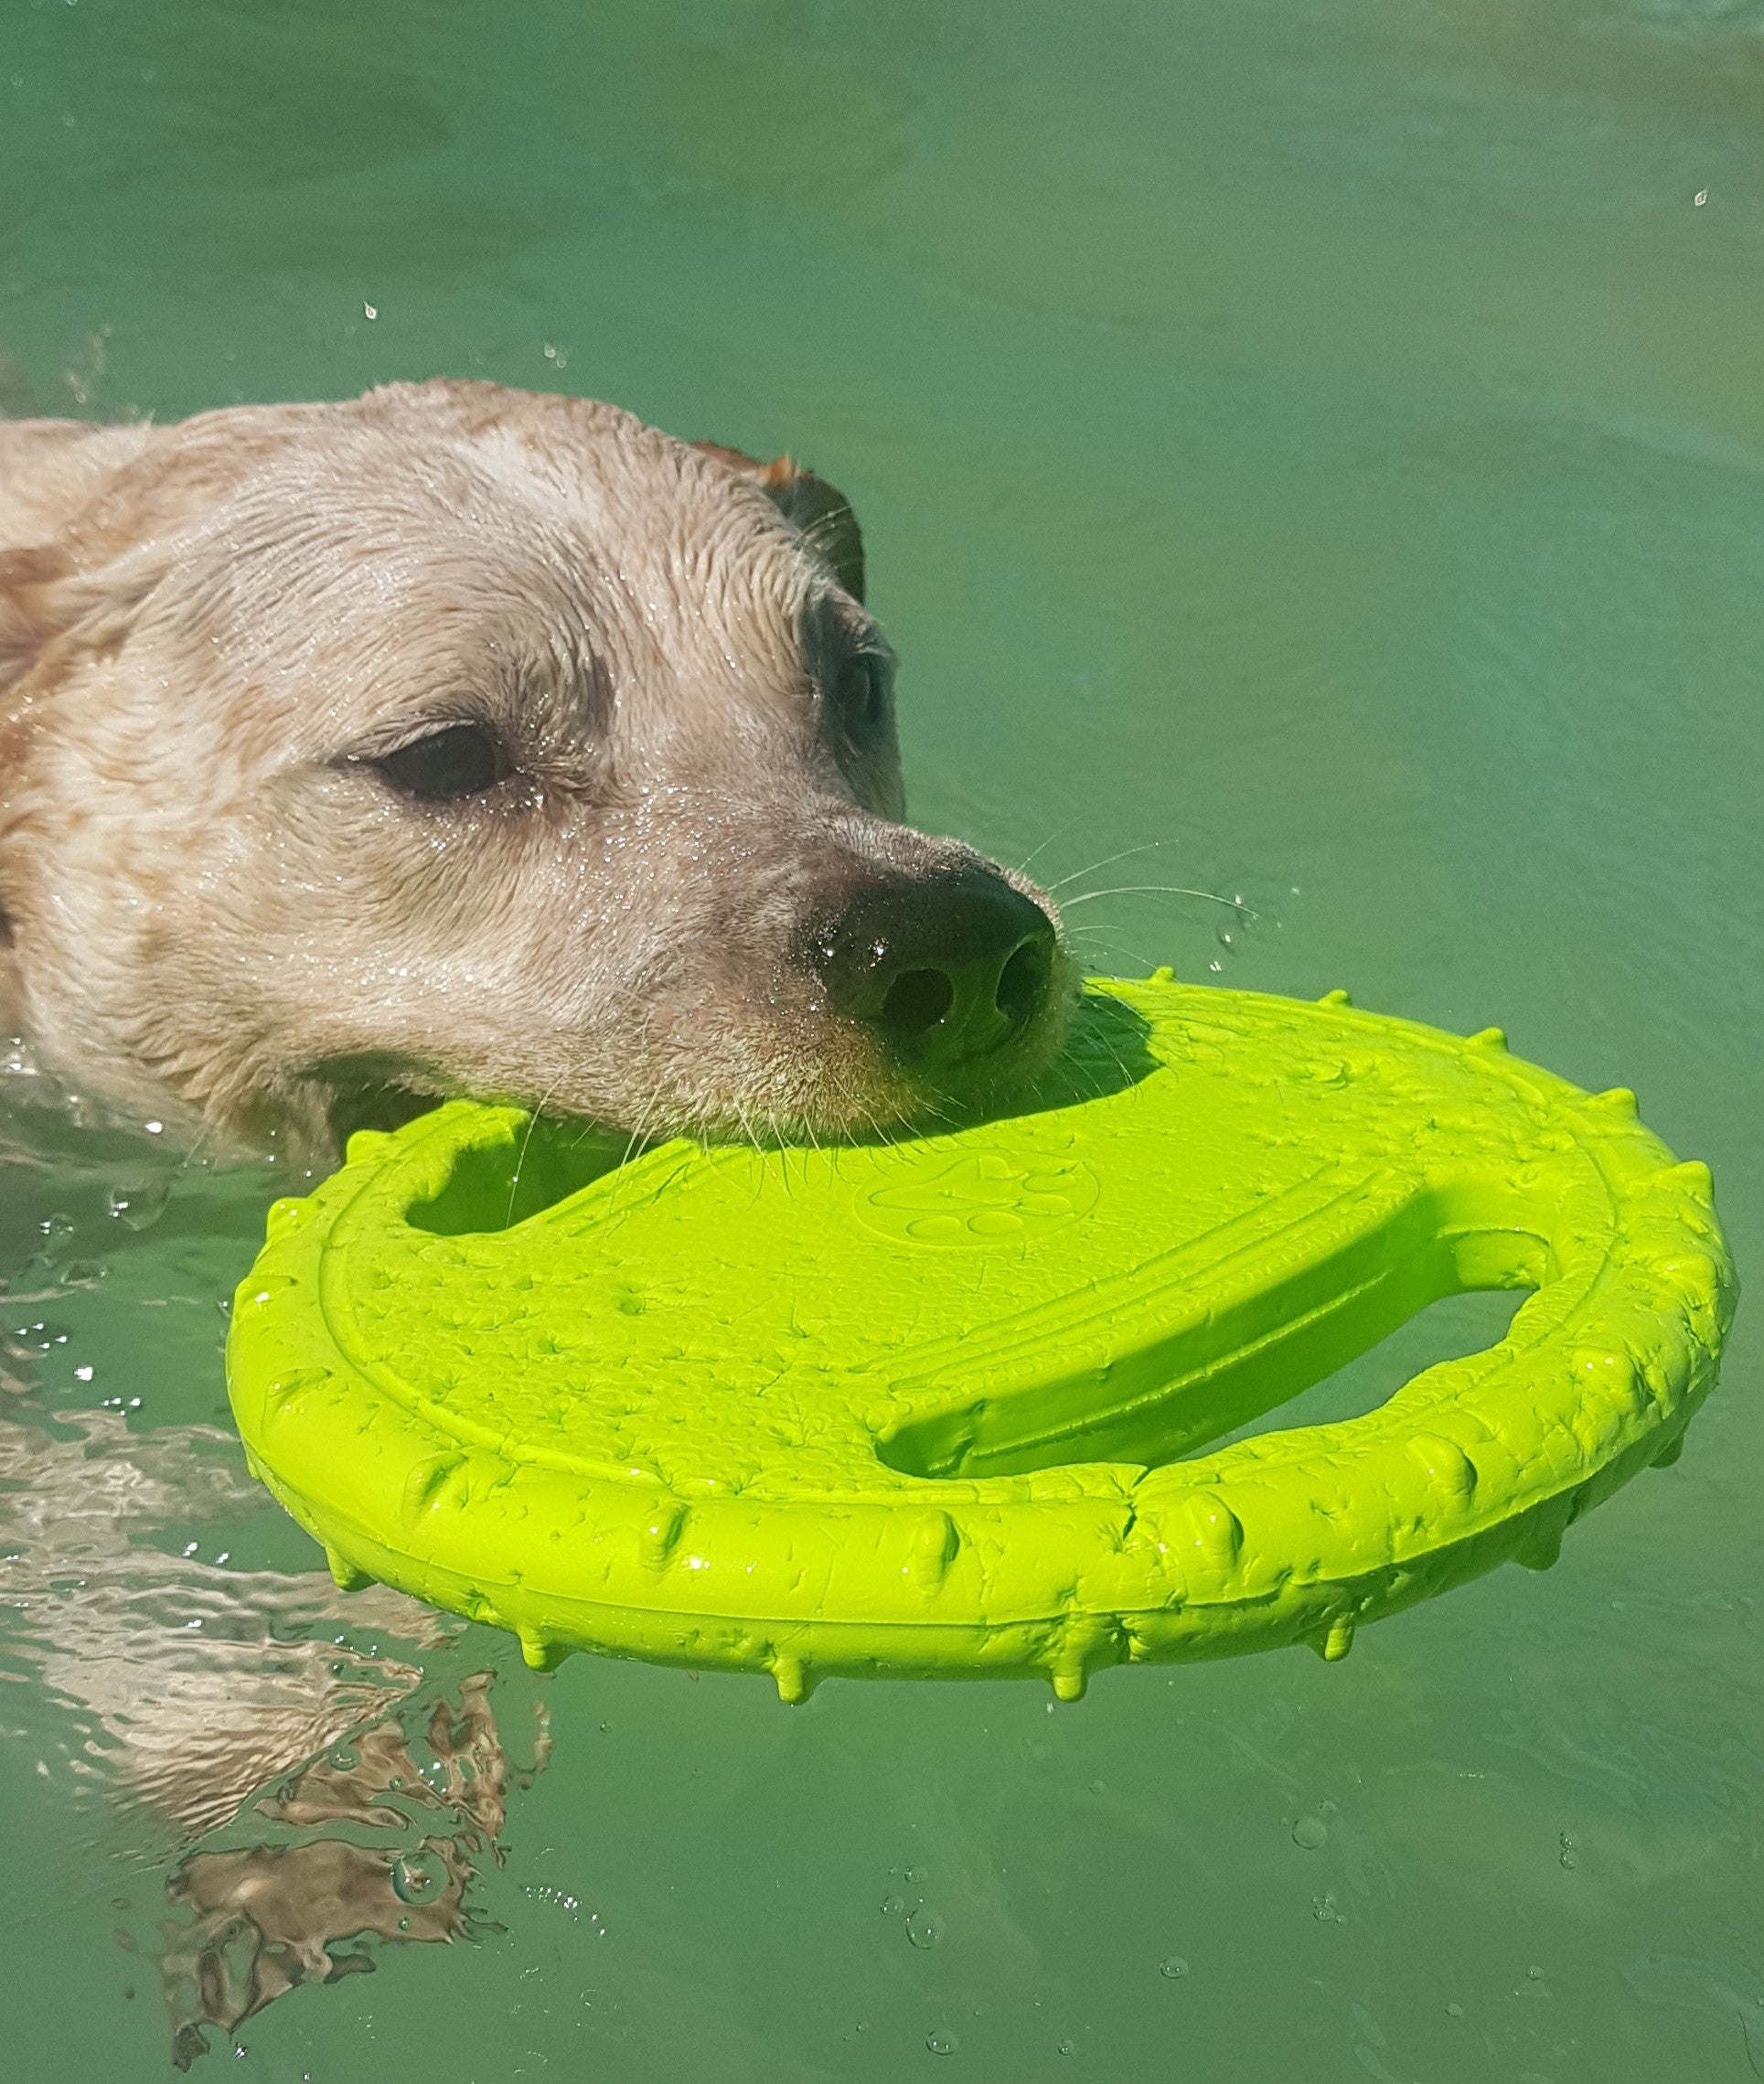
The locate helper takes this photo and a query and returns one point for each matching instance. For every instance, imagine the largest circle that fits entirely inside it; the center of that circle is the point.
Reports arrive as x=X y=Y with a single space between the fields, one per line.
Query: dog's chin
x=846 y=1090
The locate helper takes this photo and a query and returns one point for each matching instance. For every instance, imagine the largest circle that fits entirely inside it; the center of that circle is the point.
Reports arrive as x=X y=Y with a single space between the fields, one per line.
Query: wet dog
x=465 y=740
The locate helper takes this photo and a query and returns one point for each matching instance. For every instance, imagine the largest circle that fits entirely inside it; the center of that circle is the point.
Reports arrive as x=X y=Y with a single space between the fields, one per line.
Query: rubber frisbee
x=943 y=1406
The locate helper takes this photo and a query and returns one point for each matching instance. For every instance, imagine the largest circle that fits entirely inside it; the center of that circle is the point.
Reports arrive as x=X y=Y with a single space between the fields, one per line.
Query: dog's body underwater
x=460 y=739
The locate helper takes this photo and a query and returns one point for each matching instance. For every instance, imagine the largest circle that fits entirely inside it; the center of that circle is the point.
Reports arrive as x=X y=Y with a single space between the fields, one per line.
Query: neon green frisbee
x=940 y=1408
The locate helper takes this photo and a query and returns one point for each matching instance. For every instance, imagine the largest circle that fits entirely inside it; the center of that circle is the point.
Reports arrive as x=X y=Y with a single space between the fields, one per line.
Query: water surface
x=1321 y=446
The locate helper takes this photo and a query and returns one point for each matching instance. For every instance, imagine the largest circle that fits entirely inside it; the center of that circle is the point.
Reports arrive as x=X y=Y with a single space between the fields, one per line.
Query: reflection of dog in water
x=194 y=1685
x=260 y=1921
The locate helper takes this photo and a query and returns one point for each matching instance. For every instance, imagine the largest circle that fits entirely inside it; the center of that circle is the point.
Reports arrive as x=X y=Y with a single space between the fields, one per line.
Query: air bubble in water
x=925 y=1927
x=138 y=1203
x=417 y=1876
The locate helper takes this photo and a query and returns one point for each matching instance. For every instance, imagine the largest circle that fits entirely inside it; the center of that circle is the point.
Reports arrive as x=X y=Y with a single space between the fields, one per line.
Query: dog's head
x=469 y=740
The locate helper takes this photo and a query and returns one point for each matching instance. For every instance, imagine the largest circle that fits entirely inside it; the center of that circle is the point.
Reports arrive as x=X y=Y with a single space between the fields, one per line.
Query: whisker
x=1109 y=946
x=1108 y=862
x=1023 y=865
x=1234 y=904
x=514 y=1177
x=650 y=1105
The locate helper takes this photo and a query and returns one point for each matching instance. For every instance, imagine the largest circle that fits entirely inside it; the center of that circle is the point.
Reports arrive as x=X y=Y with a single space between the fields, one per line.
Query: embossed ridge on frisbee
x=940 y=1406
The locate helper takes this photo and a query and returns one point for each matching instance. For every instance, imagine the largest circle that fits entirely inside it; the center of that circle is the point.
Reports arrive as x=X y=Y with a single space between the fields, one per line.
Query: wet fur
x=215 y=911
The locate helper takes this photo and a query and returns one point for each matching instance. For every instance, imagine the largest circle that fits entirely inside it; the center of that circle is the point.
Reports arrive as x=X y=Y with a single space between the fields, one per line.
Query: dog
x=464 y=740
x=455 y=739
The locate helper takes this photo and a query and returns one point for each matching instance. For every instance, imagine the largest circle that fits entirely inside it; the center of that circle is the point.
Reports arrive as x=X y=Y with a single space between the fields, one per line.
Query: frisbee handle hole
x=1451 y=1328
x=1333 y=1343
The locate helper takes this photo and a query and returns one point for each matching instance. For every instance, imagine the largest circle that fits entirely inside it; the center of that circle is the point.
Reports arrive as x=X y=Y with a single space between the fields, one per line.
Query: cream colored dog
x=460 y=739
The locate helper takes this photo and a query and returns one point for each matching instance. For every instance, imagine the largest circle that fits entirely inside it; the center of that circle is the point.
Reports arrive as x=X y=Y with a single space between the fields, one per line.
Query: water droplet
x=925 y=1927
x=1096 y=1787
x=342 y=1758
x=138 y=1203
x=1309 y=1832
x=1323 y=1908
x=417 y=1876
x=1175 y=1966
x=892 y=1906
x=1535 y=1974
x=940 y=2042
x=1454 y=2011
x=913 y=1876
x=1068 y=2046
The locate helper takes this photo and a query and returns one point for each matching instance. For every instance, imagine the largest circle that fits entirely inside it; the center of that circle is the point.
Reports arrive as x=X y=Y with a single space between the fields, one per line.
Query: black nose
x=944 y=968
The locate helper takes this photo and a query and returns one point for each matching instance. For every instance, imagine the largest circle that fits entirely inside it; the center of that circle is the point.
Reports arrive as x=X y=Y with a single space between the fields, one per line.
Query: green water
x=1321 y=445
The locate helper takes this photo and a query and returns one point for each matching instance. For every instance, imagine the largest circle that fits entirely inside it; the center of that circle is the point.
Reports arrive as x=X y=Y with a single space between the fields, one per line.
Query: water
x=1319 y=445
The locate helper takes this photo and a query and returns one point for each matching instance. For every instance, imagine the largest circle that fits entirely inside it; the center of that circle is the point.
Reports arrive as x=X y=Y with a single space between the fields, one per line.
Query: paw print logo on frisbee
x=979 y=1198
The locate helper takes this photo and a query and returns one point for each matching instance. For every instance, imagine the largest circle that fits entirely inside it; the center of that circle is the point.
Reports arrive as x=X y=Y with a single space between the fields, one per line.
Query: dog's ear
x=49 y=605
x=30 y=581
x=819 y=512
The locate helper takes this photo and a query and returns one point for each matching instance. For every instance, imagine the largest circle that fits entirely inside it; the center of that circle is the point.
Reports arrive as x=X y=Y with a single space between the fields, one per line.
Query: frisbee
x=952 y=1404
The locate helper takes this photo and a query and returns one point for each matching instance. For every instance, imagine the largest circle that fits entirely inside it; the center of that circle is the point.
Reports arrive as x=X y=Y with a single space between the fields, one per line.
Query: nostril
x=1022 y=983
x=914 y=1002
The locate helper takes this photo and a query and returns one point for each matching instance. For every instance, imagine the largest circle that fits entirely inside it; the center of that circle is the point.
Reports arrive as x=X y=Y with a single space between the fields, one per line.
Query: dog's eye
x=862 y=696
x=464 y=759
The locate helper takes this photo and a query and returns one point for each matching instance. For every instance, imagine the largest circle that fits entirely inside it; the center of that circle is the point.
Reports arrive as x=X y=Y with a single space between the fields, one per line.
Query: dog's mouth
x=919 y=1002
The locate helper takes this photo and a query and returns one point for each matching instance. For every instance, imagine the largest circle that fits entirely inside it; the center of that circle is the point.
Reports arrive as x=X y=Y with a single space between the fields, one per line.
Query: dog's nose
x=945 y=968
